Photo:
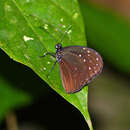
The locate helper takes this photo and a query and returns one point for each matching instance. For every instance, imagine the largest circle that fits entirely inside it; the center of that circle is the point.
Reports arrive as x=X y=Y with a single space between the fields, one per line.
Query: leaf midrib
x=33 y=30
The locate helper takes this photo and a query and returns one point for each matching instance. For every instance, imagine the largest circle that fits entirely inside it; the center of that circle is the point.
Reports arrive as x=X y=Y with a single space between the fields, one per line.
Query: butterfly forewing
x=78 y=66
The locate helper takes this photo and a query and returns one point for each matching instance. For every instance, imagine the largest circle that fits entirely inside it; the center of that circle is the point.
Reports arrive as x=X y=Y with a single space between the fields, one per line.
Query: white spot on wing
x=97 y=59
x=88 y=51
x=80 y=55
x=89 y=68
x=84 y=48
x=88 y=54
x=96 y=53
x=84 y=60
x=96 y=64
x=27 y=38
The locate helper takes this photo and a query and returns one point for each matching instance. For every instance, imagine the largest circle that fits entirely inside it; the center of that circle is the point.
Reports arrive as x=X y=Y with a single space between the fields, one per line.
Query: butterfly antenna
x=49 y=33
x=65 y=33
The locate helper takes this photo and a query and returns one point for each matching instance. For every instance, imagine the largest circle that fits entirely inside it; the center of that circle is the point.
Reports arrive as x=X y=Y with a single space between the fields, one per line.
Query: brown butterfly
x=78 y=66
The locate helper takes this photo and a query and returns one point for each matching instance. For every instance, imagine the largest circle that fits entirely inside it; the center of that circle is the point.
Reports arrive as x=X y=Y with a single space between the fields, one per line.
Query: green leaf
x=109 y=33
x=11 y=98
x=29 y=28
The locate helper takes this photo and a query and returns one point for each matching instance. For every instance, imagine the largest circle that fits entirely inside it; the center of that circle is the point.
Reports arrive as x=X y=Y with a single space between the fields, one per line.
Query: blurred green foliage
x=11 y=98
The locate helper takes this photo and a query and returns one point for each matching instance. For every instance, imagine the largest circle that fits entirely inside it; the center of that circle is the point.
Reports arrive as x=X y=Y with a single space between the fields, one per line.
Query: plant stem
x=11 y=121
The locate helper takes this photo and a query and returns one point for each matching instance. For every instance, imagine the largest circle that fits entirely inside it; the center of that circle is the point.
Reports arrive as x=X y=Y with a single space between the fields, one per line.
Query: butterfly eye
x=58 y=46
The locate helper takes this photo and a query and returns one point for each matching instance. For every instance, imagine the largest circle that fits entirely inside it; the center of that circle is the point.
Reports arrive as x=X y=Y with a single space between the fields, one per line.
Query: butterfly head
x=58 y=47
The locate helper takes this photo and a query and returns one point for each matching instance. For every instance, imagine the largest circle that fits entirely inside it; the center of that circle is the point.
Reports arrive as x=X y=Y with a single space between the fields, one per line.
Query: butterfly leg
x=52 y=68
x=49 y=53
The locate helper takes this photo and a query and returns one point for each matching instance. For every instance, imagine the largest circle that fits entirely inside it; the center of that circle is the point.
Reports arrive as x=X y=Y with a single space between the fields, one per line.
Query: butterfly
x=78 y=66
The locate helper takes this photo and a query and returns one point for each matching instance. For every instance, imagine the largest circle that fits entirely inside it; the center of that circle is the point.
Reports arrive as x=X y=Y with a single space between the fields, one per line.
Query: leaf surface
x=30 y=28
